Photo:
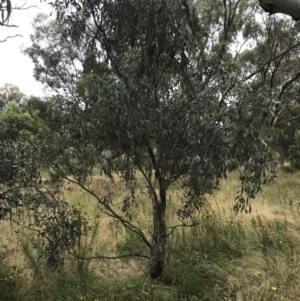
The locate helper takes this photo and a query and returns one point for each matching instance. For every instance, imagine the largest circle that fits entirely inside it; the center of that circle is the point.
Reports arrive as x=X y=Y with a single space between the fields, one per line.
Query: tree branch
x=288 y=83
x=173 y=228
x=10 y=37
x=7 y=25
x=152 y=156
x=270 y=60
x=111 y=212
x=286 y=121
x=23 y=8
x=30 y=228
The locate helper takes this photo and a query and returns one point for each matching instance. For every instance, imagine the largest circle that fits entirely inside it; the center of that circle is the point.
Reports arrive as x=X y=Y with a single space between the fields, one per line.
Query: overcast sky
x=15 y=67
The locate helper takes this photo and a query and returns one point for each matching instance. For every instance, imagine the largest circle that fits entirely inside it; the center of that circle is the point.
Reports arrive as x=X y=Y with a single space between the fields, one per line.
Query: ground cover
x=227 y=257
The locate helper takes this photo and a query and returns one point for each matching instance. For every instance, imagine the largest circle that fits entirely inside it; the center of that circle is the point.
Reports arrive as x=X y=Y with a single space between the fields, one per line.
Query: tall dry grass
x=227 y=257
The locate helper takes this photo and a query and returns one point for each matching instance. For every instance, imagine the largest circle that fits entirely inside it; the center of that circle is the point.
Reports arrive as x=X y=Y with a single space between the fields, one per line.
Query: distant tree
x=13 y=122
x=294 y=151
x=8 y=93
x=22 y=114
x=276 y=84
x=43 y=110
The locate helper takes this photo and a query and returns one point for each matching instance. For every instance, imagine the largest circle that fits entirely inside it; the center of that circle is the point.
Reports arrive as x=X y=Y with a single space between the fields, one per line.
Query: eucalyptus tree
x=276 y=84
x=160 y=83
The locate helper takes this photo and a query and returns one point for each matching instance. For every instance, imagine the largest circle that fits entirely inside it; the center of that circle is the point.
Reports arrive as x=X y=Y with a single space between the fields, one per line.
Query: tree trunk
x=159 y=236
x=287 y=7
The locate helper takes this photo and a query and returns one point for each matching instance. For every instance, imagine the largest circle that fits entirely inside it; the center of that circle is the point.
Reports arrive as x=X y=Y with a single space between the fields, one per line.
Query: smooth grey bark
x=287 y=7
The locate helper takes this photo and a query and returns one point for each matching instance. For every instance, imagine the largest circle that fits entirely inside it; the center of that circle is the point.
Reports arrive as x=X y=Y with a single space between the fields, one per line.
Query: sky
x=15 y=67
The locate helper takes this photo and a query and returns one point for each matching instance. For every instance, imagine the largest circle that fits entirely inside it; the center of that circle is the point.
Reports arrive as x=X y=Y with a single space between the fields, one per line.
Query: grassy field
x=248 y=257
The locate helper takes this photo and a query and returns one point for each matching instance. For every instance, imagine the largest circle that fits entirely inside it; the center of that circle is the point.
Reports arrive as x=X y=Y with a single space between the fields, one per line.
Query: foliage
x=10 y=93
x=275 y=83
x=59 y=227
x=8 y=281
x=14 y=123
x=294 y=152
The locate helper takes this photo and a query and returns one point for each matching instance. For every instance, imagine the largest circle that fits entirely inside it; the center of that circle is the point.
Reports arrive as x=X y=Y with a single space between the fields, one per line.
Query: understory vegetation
x=225 y=257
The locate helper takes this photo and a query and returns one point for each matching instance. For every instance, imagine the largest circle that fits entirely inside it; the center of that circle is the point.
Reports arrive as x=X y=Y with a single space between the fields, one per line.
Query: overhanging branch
x=110 y=212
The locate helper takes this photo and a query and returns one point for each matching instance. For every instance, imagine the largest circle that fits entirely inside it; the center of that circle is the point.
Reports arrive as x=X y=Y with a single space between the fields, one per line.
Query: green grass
x=240 y=257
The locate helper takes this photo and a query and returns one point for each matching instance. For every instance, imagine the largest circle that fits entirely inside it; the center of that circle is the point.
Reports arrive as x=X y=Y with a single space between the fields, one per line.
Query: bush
x=294 y=152
x=9 y=278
